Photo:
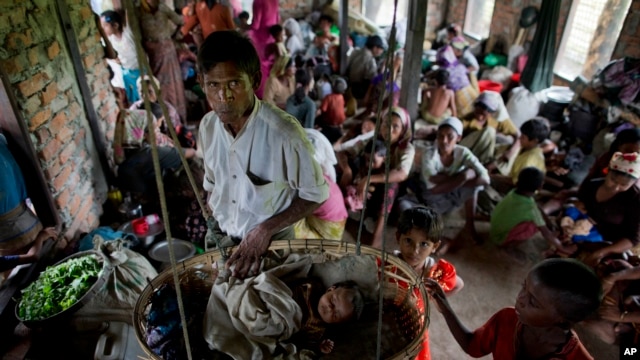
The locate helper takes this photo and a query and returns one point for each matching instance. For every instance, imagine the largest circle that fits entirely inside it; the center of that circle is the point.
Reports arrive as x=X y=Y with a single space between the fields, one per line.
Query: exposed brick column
x=37 y=63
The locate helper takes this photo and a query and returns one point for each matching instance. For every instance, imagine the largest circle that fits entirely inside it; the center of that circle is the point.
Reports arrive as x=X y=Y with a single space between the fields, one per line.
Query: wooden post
x=343 y=15
x=412 y=63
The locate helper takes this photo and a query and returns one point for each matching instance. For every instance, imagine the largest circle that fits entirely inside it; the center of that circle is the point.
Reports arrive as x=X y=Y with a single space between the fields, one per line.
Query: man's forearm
x=453 y=182
x=299 y=209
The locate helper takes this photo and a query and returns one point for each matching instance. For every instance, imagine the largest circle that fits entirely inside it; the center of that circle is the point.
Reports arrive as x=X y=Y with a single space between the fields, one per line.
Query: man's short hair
x=441 y=76
x=243 y=15
x=535 y=129
x=374 y=41
x=327 y=18
x=229 y=45
x=576 y=290
x=276 y=29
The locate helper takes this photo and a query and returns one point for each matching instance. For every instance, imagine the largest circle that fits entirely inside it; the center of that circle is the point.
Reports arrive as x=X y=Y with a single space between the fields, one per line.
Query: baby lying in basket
x=265 y=317
x=342 y=302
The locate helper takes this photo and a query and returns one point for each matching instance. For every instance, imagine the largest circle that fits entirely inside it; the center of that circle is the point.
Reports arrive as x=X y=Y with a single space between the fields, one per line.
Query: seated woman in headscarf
x=487 y=128
x=460 y=47
x=327 y=221
x=300 y=104
x=186 y=137
x=381 y=87
x=281 y=83
x=613 y=202
x=295 y=42
x=458 y=79
x=396 y=129
x=132 y=151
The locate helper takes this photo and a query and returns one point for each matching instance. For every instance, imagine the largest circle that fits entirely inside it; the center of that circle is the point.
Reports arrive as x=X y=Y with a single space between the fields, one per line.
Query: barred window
x=478 y=17
x=587 y=17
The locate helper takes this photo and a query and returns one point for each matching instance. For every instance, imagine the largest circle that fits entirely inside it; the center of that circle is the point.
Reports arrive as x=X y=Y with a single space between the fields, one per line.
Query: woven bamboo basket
x=405 y=321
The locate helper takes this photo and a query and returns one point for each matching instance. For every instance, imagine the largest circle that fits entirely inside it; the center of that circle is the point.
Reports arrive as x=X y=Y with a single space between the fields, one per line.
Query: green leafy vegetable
x=59 y=287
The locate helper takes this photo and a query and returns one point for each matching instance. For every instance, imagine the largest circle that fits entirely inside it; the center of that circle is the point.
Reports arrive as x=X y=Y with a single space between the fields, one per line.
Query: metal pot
x=182 y=250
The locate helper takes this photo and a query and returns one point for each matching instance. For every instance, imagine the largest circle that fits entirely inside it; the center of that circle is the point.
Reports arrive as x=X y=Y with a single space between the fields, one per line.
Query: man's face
x=534 y=304
x=280 y=37
x=152 y=93
x=377 y=51
x=447 y=138
x=481 y=113
x=229 y=91
x=324 y=25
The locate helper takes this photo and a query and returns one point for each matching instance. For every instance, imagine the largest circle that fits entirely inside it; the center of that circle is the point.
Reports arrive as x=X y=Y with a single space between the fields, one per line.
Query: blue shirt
x=12 y=188
x=305 y=112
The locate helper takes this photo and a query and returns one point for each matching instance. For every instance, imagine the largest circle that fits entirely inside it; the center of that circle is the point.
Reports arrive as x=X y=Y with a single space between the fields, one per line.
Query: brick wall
x=34 y=55
x=300 y=8
x=436 y=13
x=507 y=13
x=505 y=17
x=456 y=11
x=629 y=40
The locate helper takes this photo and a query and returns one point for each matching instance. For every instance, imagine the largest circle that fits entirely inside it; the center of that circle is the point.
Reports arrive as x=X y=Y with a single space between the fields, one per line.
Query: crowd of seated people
x=461 y=151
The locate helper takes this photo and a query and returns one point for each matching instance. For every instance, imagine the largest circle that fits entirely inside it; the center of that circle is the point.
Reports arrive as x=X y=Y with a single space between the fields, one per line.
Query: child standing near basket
x=418 y=237
x=556 y=294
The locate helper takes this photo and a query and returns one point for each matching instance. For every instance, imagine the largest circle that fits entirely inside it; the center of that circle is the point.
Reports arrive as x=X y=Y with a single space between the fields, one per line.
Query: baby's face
x=336 y=306
x=368 y=125
x=378 y=161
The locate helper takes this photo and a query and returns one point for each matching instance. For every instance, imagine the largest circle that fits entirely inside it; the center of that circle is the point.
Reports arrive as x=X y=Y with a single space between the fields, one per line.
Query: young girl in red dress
x=418 y=237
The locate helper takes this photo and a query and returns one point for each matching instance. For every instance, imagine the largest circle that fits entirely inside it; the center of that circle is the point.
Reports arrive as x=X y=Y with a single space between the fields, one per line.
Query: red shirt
x=332 y=108
x=498 y=337
x=215 y=19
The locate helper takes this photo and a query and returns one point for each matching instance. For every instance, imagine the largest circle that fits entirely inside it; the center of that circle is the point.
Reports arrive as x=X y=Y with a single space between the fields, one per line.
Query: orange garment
x=211 y=20
x=498 y=337
x=445 y=275
x=332 y=108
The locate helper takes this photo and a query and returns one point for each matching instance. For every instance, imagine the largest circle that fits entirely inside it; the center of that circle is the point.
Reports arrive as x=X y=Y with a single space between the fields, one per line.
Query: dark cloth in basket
x=164 y=329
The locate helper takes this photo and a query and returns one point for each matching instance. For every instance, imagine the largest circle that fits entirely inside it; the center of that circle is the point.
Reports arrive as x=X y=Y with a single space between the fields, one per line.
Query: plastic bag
x=522 y=106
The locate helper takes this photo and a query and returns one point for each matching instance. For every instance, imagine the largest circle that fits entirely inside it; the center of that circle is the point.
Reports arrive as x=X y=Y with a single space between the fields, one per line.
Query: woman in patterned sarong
x=159 y=23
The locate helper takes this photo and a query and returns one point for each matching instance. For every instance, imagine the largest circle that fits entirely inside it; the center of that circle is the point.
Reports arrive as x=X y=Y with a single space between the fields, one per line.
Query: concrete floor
x=492 y=280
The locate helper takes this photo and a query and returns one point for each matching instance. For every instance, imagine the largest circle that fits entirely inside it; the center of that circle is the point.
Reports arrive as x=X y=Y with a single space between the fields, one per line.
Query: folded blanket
x=253 y=318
